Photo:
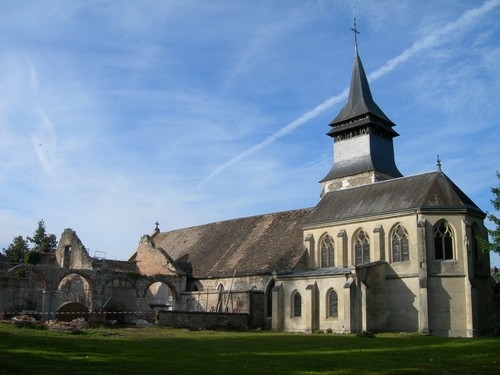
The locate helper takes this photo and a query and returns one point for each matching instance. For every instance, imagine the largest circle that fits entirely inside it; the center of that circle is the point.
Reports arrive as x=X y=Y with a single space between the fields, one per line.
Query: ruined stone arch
x=75 y=287
x=144 y=284
x=24 y=288
x=23 y=270
x=119 y=294
x=159 y=295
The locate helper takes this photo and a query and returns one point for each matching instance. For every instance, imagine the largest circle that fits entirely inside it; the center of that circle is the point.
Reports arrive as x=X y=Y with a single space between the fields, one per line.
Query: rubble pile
x=23 y=321
x=71 y=326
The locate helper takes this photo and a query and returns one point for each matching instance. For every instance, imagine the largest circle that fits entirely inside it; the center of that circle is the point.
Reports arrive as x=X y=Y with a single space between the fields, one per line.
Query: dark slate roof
x=360 y=100
x=248 y=246
x=331 y=271
x=428 y=191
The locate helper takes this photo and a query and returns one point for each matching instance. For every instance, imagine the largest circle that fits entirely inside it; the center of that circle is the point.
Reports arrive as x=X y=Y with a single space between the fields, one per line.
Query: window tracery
x=333 y=303
x=400 y=245
x=361 y=248
x=443 y=241
x=327 y=252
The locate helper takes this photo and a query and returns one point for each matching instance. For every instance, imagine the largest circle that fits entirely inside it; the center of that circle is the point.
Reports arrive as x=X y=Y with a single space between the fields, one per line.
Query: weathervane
x=438 y=163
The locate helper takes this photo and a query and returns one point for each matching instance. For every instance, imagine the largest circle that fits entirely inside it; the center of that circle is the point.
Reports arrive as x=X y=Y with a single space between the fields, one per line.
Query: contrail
x=467 y=18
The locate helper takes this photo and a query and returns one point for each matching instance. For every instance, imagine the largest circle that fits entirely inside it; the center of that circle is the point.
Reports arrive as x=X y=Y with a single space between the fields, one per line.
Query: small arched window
x=297 y=304
x=333 y=304
x=443 y=241
x=400 y=245
x=327 y=252
x=361 y=248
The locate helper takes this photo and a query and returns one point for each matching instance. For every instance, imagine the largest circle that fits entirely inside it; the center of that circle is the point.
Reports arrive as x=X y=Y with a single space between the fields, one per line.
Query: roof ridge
x=239 y=218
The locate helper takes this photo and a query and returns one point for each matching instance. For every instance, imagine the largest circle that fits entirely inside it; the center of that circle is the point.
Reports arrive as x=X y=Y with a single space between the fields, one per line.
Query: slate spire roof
x=360 y=100
x=362 y=117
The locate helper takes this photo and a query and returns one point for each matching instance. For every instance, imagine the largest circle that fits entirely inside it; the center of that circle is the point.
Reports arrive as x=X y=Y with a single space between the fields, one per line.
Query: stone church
x=379 y=252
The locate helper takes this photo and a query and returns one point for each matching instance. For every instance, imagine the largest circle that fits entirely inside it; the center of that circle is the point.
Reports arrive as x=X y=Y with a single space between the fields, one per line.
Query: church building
x=379 y=252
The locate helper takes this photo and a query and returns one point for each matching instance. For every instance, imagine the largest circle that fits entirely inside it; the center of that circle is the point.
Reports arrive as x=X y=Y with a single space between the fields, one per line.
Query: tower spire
x=362 y=134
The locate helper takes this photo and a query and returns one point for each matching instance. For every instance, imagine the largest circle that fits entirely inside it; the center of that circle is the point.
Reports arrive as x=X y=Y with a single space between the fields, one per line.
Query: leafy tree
x=43 y=242
x=17 y=250
x=494 y=234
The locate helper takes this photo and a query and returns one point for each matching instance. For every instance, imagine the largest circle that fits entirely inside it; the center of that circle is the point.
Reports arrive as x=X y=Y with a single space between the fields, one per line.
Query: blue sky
x=118 y=114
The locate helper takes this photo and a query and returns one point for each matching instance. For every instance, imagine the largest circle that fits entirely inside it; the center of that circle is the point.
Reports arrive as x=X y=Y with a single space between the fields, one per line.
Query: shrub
x=366 y=334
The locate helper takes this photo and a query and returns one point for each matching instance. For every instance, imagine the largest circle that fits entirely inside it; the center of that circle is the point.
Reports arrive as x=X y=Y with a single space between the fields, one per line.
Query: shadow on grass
x=159 y=350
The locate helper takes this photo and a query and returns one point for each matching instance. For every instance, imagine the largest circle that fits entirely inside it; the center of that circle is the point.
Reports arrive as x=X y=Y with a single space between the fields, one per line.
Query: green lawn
x=159 y=350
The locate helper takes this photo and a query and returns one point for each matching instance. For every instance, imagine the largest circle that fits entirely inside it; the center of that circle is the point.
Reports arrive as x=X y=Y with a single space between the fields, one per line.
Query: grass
x=155 y=350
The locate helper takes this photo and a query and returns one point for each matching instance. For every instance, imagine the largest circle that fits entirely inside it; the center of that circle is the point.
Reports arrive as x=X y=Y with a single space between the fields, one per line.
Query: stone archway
x=119 y=295
x=159 y=296
x=72 y=310
x=23 y=290
x=74 y=287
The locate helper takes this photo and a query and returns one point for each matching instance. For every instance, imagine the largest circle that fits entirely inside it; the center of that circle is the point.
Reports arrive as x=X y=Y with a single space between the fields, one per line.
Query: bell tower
x=363 y=150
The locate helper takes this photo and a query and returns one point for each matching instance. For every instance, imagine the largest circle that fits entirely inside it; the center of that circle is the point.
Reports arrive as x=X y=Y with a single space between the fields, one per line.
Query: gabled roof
x=360 y=101
x=432 y=191
x=246 y=246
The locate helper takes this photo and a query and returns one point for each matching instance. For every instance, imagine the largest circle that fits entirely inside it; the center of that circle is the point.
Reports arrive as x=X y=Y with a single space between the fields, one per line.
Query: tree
x=43 y=242
x=18 y=250
x=494 y=234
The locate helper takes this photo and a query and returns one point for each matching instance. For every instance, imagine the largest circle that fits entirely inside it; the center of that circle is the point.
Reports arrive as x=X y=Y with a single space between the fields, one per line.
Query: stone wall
x=204 y=320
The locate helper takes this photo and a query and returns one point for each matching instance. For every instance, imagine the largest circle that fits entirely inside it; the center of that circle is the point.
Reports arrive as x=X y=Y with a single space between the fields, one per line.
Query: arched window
x=400 y=246
x=327 y=252
x=297 y=304
x=333 y=304
x=443 y=241
x=361 y=248
x=269 y=299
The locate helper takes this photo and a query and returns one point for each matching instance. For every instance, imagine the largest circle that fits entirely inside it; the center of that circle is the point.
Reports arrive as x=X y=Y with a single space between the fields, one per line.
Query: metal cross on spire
x=356 y=32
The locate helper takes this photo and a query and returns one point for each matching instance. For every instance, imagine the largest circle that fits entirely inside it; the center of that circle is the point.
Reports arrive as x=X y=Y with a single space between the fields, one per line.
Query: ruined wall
x=151 y=260
x=203 y=320
x=71 y=253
